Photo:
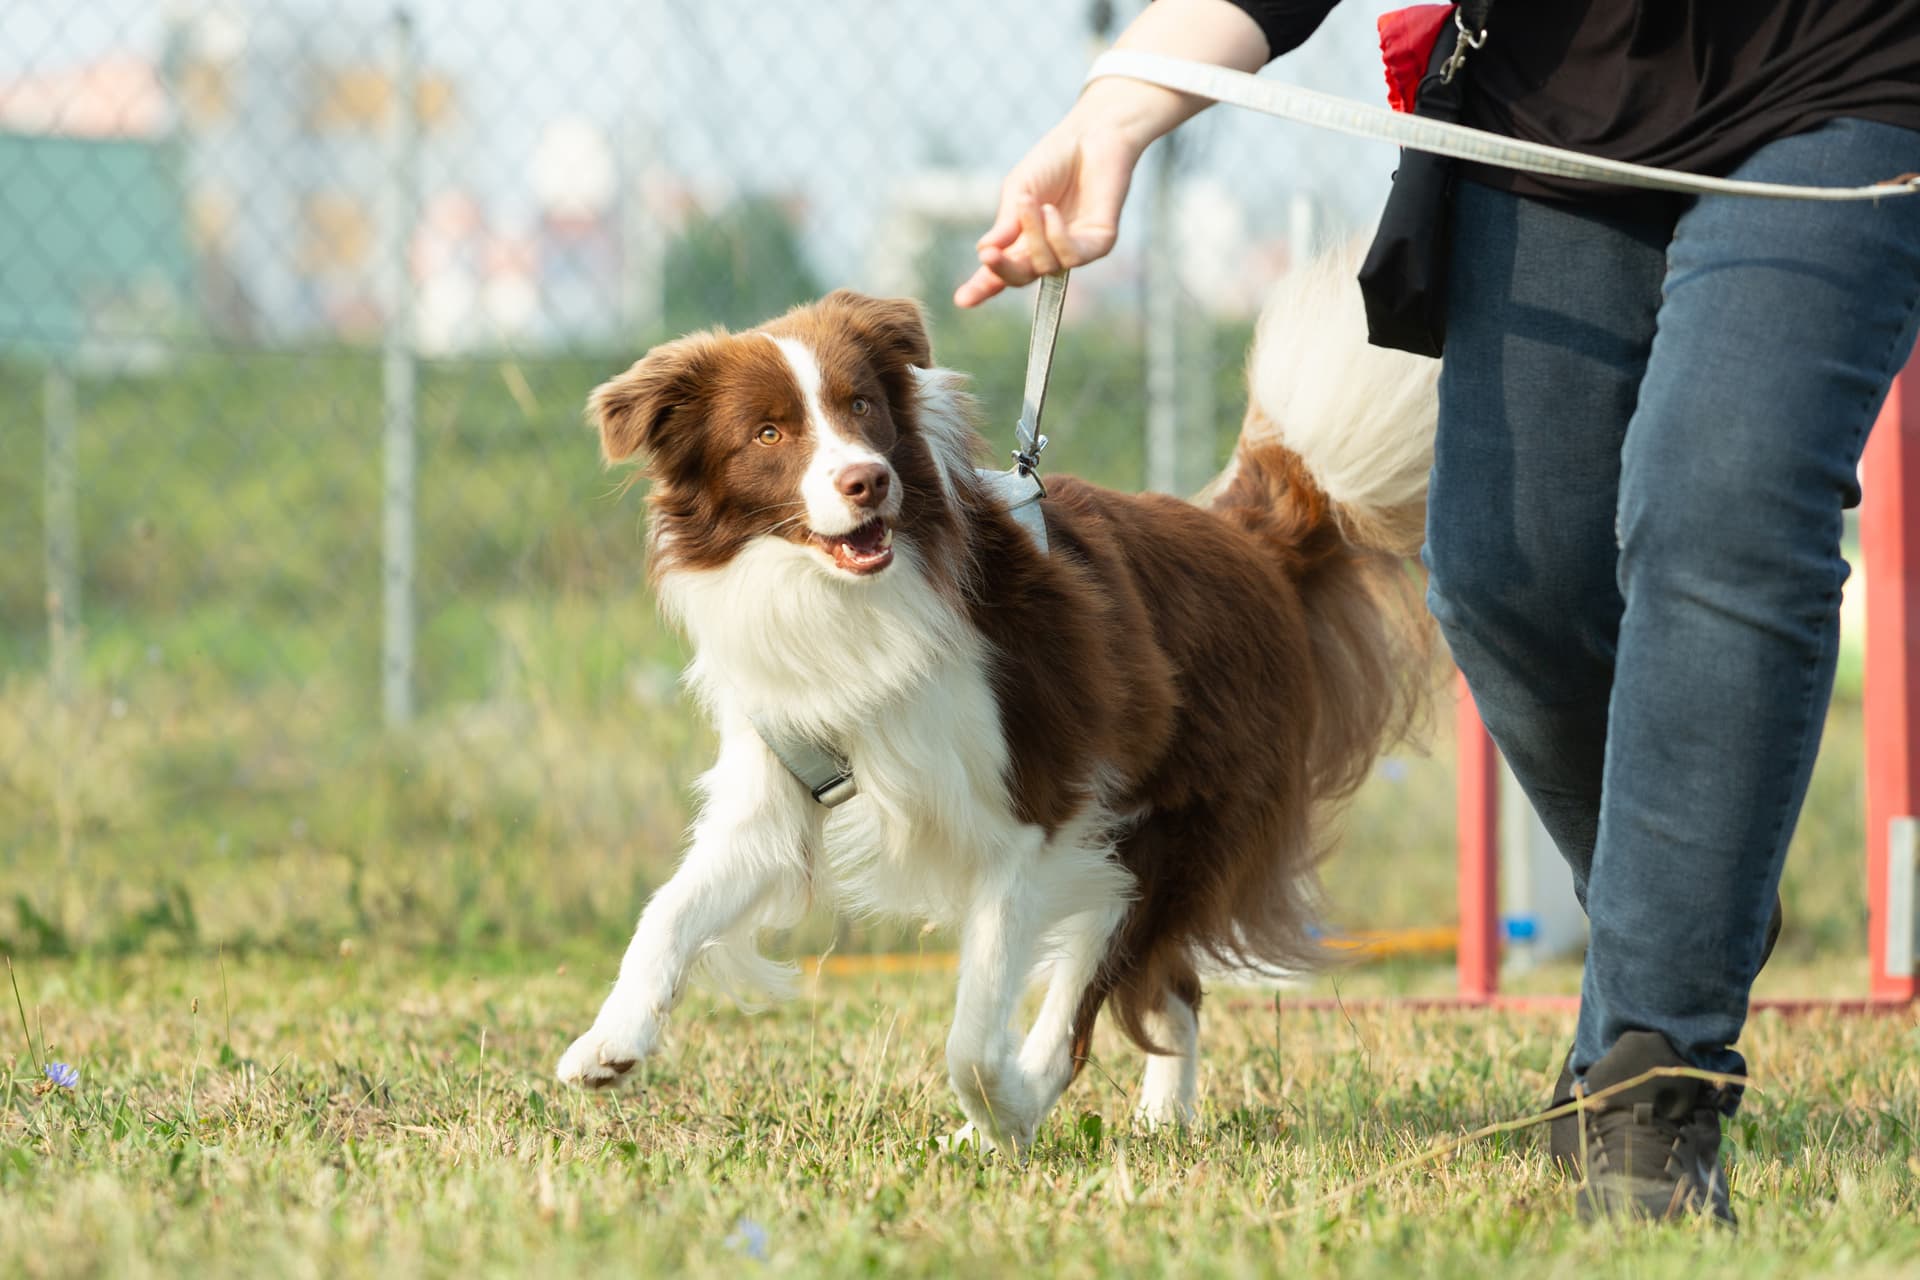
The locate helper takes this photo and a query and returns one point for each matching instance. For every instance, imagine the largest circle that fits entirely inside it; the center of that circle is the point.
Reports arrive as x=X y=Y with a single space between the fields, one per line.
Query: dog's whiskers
x=775 y=506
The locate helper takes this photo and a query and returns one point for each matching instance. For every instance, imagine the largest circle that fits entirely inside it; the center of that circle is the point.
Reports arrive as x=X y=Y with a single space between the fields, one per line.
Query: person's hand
x=1059 y=207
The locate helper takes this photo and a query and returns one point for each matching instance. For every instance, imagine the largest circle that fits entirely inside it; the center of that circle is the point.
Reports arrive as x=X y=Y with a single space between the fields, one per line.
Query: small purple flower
x=63 y=1075
x=750 y=1238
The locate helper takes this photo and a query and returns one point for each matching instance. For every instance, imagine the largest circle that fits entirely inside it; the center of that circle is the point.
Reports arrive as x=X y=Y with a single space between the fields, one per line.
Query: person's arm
x=1060 y=206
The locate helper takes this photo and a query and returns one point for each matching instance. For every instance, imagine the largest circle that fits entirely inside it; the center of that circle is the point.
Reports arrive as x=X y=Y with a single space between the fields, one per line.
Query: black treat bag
x=1404 y=276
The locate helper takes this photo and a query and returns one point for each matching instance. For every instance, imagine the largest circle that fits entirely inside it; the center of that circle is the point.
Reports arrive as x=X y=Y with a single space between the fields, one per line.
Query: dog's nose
x=864 y=483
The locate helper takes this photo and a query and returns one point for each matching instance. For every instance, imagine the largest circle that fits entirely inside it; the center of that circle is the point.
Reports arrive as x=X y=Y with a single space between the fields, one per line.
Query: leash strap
x=1341 y=115
x=1048 y=301
x=1019 y=489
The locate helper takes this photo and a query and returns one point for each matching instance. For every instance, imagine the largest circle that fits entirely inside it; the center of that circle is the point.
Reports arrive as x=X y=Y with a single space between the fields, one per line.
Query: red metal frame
x=1477 y=797
x=1890 y=550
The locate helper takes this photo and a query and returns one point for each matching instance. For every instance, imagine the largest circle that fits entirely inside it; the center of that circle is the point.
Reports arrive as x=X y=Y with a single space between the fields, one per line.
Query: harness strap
x=1020 y=493
x=824 y=773
x=1341 y=115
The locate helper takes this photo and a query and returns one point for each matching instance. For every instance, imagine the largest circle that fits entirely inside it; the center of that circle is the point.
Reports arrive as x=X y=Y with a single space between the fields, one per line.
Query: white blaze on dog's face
x=851 y=493
x=803 y=431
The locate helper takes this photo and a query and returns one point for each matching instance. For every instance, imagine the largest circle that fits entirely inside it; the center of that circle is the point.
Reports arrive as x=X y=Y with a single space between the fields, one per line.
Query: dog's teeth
x=886 y=539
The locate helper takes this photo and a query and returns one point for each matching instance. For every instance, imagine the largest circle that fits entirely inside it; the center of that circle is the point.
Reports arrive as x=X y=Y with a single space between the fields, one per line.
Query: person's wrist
x=1133 y=112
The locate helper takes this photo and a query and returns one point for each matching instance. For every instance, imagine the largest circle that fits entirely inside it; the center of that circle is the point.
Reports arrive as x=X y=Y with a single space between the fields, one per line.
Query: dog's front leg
x=997 y=943
x=1079 y=947
x=751 y=846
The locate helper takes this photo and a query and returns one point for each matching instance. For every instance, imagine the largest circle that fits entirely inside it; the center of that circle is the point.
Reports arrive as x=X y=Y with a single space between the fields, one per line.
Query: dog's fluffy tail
x=1357 y=419
x=1332 y=467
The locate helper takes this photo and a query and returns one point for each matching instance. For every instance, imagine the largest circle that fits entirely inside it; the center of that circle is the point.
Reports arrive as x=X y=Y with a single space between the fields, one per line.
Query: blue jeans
x=1650 y=424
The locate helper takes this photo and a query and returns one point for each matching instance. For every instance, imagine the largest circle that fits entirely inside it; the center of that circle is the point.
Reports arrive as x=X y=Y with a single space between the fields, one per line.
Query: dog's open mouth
x=867 y=549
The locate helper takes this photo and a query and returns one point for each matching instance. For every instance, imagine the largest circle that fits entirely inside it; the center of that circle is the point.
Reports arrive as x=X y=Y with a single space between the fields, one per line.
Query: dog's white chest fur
x=887 y=673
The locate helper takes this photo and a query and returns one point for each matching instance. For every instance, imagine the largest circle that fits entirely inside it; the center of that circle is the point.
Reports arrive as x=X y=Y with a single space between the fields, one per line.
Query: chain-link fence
x=317 y=615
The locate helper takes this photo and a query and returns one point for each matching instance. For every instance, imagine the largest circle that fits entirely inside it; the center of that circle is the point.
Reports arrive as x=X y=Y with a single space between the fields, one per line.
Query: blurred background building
x=571 y=157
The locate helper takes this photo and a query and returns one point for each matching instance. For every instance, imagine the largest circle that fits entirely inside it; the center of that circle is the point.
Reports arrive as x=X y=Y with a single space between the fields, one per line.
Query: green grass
x=316 y=972
x=380 y=1114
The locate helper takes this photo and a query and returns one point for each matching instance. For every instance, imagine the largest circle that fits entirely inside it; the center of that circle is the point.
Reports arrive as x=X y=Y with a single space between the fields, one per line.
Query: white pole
x=643 y=240
x=1540 y=914
x=1195 y=464
x=1302 y=229
x=1163 y=325
x=399 y=377
x=1903 y=925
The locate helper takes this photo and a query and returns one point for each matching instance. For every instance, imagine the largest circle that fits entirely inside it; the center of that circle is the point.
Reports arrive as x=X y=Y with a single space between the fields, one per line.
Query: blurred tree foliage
x=736 y=267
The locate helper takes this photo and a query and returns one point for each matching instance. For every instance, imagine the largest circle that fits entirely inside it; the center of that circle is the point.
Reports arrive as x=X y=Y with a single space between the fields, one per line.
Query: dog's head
x=805 y=429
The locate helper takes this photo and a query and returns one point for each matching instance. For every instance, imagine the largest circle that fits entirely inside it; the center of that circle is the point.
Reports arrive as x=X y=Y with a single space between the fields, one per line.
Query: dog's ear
x=632 y=409
x=895 y=329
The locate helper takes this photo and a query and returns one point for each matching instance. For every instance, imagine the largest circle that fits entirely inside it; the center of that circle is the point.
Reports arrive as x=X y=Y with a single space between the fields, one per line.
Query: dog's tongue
x=869 y=539
x=865 y=549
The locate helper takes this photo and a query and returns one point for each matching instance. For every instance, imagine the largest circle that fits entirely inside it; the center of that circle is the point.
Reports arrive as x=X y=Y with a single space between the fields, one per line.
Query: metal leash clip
x=1468 y=40
x=1027 y=462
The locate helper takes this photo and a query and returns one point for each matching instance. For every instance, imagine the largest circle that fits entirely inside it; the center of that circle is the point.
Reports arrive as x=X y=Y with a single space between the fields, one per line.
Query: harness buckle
x=837 y=790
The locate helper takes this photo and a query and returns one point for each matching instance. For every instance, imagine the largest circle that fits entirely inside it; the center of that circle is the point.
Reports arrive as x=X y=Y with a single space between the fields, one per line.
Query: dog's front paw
x=601 y=1059
x=968 y=1136
x=978 y=1138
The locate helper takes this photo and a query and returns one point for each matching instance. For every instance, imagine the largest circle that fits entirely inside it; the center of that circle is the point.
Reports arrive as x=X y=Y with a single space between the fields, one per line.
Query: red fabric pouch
x=1407 y=38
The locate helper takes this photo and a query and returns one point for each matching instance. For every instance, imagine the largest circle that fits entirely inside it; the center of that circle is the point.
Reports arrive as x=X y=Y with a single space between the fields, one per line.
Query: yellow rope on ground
x=1366 y=944
x=1450 y=1145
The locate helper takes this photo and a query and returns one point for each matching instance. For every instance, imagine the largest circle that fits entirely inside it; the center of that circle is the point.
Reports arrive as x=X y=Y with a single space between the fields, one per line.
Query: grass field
x=315 y=973
x=377 y=1114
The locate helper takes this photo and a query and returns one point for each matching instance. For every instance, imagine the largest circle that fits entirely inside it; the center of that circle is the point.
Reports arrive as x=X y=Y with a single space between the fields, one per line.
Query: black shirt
x=1683 y=84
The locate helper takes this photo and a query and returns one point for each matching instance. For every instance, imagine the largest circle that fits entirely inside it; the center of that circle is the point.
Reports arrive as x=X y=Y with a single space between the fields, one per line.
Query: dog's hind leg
x=748 y=862
x=1170 y=1089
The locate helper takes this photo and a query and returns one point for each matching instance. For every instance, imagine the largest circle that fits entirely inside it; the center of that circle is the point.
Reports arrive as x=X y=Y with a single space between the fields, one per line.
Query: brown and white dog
x=1112 y=762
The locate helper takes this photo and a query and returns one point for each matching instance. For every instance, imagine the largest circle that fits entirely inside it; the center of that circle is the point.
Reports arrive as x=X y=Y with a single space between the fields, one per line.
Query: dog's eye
x=860 y=406
x=768 y=434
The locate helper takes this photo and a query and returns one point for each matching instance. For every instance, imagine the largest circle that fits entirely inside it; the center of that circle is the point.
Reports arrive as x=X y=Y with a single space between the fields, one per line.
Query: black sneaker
x=1563 y=1133
x=1652 y=1150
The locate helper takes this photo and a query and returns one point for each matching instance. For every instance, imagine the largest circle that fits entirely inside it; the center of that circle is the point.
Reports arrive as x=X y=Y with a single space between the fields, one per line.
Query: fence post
x=62 y=531
x=1890 y=551
x=399 y=377
x=643 y=235
x=1477 y=956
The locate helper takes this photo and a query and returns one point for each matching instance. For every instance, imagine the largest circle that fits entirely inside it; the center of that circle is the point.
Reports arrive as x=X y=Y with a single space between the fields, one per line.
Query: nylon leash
x=1048 y=303
x=1361 y=120
x=1020 y=488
